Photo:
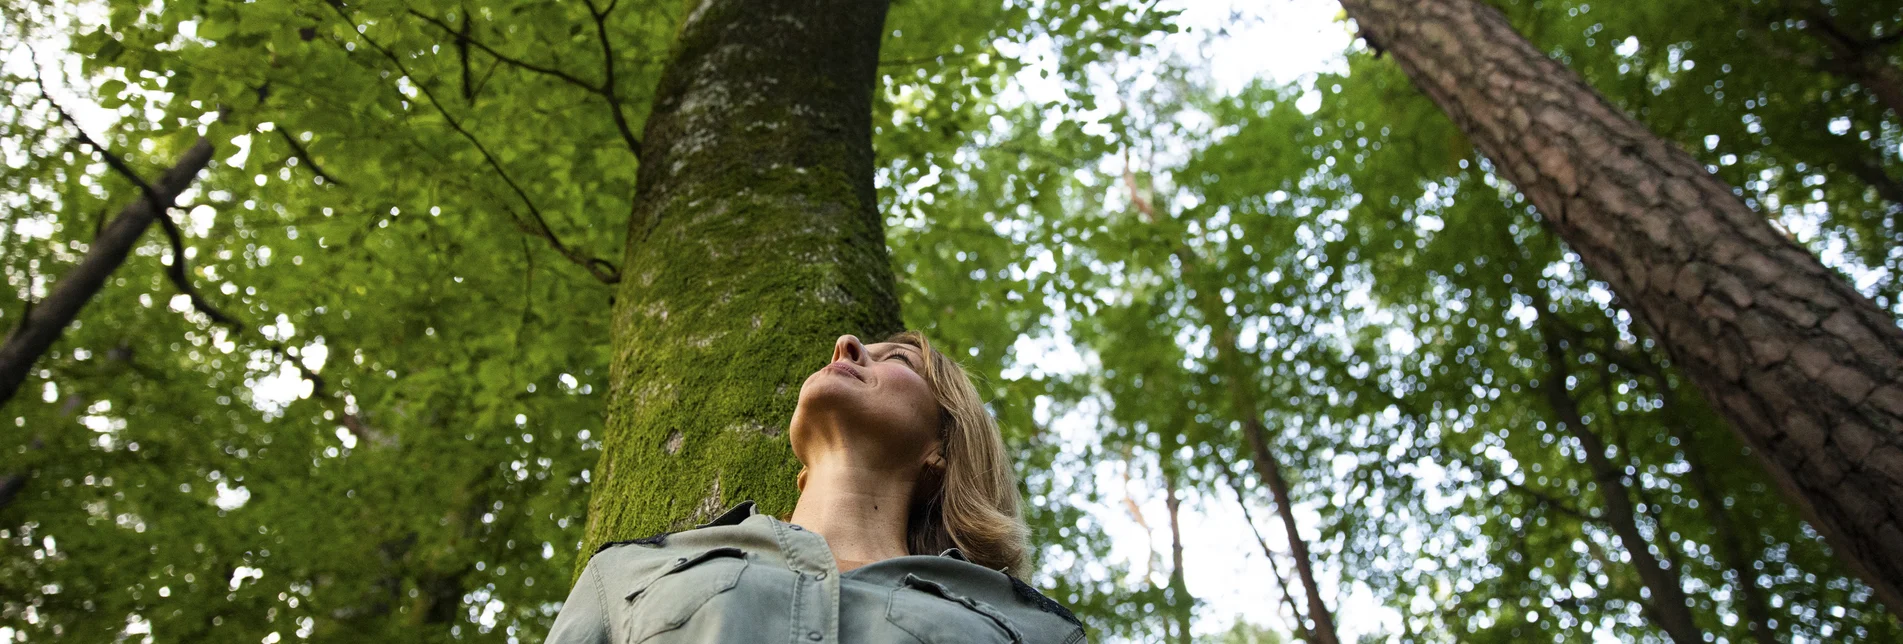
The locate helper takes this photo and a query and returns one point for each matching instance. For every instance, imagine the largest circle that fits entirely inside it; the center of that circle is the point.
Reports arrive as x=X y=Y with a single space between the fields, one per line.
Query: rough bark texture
x=755 y=241
x=108 y=250
x=1668 y=607
x=1808 y=371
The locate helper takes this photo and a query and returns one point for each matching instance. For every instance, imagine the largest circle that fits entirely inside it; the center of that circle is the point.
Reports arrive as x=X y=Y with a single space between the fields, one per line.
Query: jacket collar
x=733 y=515
x=746 y=509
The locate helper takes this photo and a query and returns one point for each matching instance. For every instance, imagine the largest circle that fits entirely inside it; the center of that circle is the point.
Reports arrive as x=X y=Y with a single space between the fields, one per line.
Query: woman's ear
x=935 y=459
x=800 y=481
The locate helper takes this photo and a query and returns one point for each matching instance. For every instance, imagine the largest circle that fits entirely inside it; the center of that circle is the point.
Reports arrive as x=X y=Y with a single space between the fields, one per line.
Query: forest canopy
x=1277 y=350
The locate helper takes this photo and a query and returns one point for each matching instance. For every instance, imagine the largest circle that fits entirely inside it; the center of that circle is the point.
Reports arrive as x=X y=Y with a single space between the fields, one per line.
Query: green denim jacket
x=749 y=577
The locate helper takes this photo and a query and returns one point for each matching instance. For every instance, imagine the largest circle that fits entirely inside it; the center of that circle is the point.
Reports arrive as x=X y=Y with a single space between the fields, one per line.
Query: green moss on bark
x=754 y=242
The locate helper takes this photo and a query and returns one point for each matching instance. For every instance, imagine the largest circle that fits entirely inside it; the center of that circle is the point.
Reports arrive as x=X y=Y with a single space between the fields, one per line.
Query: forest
x=1304 y=320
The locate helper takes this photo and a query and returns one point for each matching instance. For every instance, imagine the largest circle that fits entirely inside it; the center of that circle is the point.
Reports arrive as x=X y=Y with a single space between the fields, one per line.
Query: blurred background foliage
x=408 y=198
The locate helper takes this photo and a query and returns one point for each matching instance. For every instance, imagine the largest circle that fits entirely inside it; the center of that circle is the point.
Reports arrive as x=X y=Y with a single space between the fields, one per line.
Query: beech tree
x=1802 y=365
x=755 y=241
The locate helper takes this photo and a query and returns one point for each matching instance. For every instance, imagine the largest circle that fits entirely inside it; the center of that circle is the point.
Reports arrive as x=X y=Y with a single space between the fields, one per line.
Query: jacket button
x=681 y=560
x=822 y=575
x=813 y=635
x=796 y=527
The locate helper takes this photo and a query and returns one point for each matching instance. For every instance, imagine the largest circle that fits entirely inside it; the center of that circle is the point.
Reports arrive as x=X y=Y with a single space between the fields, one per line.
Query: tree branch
x=124 y=231
x=297 y=150
x=163 y=202
x=41 y=326
x=601 y=269
x=462 y=37
x=608 y=73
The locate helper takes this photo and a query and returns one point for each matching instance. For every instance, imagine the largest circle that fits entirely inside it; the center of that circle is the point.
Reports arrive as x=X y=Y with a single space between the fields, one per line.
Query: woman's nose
x=849 y=348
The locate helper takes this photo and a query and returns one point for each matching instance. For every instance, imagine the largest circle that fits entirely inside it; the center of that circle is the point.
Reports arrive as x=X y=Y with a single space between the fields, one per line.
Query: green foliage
x=418 y=199
x=422 y=190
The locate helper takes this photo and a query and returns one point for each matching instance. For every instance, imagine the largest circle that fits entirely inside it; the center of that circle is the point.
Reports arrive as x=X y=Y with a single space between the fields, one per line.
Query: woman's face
x=869 y=404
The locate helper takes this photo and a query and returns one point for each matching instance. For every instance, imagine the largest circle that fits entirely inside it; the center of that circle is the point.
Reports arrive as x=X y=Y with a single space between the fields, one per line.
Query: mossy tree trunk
x=755 y=241
x=1807 y=370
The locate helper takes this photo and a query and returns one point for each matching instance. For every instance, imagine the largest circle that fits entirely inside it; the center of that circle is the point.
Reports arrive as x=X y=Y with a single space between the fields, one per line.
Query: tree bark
x=755 y=240
x=1806 y=369
x=42 y=327
x=1668 y=606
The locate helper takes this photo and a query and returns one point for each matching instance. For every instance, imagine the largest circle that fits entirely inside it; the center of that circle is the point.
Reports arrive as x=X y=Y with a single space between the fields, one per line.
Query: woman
x=906 y=530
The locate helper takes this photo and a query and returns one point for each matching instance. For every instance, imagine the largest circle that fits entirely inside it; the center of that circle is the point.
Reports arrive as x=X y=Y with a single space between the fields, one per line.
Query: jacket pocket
x=668 y=597
x=934 y=613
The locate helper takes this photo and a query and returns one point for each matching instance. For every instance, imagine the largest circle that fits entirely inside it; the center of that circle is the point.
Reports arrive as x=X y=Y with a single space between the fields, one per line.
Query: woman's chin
x=828 y=389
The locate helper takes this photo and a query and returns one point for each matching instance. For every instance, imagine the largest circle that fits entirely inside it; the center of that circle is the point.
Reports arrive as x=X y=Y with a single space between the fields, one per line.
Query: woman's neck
x=861 y=512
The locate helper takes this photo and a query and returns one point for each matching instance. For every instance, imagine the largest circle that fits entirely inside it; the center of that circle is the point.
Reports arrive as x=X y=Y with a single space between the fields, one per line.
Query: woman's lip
x=845 y=368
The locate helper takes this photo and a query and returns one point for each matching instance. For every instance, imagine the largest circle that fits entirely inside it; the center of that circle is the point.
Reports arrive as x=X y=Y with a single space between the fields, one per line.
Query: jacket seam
x=601 y=598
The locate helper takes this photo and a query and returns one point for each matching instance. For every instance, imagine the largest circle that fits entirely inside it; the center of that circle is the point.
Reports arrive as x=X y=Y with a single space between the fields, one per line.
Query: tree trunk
x=1267 y=466
x=1807 y=370
x=1301 y=624
x=755 y=241
x=1855 y=58
x=1668 y=607
x=1241 y=382
x=49 y=317
x=1182 y=606
x=1731 y=548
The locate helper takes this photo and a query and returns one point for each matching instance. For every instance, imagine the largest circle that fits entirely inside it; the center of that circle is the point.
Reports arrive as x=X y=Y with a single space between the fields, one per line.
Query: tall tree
x=1802 y=365
x=1241 y=386
x=1182 y=604
x=755 y=241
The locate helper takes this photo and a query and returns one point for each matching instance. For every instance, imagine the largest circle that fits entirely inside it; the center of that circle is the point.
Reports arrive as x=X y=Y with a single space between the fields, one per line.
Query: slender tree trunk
x=1757 y=612
x=1301 y=624
x=1242 y=397
x=1267 y=466
x=1853 y=57
x=755 y=241
x=1669 y=608
x=37 y=332
x=1181 y=604
x=1807 y=370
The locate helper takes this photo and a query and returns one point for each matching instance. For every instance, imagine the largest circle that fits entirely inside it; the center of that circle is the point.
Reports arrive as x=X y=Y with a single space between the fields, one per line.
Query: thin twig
x=608 y=73
x=463 y=37
x=177 y=272
x=601 y=269
x=297 y=149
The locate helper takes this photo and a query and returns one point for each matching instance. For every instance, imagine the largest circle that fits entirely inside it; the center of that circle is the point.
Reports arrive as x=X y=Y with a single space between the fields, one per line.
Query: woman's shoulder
x=1051 y=617
x=1003 y=597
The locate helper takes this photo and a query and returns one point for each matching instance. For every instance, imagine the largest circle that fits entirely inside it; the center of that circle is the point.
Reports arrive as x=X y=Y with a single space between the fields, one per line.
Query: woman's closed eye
x=901 y=357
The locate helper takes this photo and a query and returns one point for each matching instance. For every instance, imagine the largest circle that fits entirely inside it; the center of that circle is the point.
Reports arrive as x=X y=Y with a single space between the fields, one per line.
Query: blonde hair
x=972 y=503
